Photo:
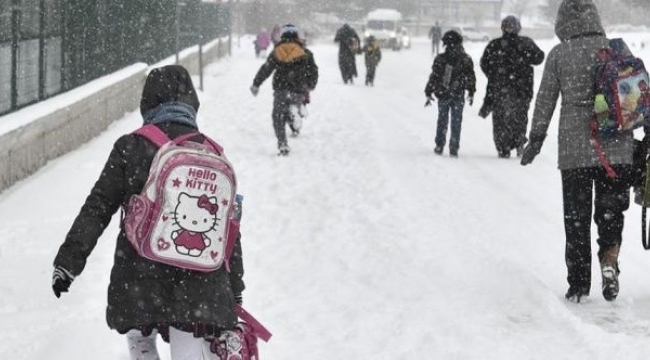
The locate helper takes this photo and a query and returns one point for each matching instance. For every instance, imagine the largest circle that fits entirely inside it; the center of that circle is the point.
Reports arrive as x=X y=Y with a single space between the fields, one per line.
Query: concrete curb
x=66 y=121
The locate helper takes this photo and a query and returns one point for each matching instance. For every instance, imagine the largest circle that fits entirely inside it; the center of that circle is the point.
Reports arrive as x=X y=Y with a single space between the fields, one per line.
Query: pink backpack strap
x=153 y=134
x=598 y=148
x=209 y=142
x=233 y=231
x=258 y=329
x=158 y=137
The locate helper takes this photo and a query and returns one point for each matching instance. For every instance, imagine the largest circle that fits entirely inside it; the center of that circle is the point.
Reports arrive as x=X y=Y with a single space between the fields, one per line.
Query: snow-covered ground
x=362 y=244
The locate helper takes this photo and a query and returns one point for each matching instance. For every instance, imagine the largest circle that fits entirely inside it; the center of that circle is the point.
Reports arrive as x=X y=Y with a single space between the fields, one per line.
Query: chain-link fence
x=50 y=46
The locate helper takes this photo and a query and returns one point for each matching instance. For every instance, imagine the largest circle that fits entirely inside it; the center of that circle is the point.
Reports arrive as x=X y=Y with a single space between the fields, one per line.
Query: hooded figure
x=569 y=71
x=147 y=297
x=452 y=75
x=349 y=47
x=508 y=65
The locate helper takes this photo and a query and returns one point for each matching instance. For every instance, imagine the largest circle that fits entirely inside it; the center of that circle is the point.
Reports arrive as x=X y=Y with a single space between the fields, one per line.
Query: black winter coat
x=451 y=74
x=372 y=55
x=507 y=62
x=144 y=294
x=349 y=47
x=294 y=66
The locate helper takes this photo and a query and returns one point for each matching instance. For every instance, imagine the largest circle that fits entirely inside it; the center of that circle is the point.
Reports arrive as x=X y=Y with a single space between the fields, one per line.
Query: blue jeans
x=455 y=107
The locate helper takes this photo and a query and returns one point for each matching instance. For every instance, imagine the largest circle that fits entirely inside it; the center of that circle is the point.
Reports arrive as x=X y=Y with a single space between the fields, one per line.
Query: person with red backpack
x=147 y=297
x=570 y=72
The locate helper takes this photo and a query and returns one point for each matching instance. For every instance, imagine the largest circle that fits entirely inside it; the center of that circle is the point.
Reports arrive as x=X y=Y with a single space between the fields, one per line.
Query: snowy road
x=362 y=244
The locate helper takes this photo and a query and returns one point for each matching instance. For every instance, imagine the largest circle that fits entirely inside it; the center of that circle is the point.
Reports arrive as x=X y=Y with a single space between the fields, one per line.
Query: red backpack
x=621 y=96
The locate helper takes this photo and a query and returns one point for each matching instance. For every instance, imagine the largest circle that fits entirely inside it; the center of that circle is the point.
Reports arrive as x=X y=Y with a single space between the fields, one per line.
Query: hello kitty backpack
x=184 y=215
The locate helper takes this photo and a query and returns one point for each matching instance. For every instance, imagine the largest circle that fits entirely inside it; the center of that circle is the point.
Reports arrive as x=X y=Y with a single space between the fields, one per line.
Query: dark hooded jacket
x=451 y=74
x=569 y=71
x=507 y=62
x=349 y=47
x=294 y=67
x=143 y=294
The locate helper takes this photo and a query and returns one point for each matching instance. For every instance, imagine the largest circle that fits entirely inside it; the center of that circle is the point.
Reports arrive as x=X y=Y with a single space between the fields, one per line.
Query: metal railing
x=51 y=46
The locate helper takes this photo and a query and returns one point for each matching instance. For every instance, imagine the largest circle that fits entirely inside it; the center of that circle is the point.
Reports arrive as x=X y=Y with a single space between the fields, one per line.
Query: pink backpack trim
x=139 y=225
x=154 y=134
x=241 y=342
x=258 y=329
x=598 y=148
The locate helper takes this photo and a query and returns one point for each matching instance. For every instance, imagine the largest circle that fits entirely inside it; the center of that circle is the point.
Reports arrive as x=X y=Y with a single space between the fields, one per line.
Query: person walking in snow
x=147 y=297
x=372 y=57
x=349 y=47
x=451 y=76
x=295 y=74
x=569 y=72
x=435 y=33
x=262 y=42
x=508 y=64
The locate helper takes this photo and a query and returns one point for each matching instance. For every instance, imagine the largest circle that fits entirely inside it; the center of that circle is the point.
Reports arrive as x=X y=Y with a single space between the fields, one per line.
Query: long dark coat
x=508 y=64
x=143 y=294
x=349 y=47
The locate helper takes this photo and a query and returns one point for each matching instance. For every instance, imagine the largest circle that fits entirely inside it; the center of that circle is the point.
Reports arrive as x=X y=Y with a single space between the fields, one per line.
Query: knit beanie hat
x=511 y=25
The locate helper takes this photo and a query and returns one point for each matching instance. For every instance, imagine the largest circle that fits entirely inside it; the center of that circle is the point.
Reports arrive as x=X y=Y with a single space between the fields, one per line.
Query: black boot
x=609 y=271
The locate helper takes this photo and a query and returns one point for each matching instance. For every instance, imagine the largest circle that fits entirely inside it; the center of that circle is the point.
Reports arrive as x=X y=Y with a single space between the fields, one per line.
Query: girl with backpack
x=145 y=297
x=570 y=72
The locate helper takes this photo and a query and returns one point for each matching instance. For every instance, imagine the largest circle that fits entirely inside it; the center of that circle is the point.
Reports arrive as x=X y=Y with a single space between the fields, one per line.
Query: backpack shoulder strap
x=158 y=137
x=258 y=329
x=153 y=134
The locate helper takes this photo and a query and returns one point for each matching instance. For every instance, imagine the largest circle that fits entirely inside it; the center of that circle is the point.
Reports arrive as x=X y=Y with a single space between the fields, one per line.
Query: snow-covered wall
x=32 y=136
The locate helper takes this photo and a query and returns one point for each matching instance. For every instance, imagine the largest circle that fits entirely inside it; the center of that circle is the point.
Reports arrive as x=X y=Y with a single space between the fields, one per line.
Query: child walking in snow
x=147 y=297
x=452 y=74
x=372 y=56
x=295 y=74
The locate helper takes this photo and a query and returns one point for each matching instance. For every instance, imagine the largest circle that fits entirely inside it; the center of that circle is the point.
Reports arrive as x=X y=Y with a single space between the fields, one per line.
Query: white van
x=385 y=26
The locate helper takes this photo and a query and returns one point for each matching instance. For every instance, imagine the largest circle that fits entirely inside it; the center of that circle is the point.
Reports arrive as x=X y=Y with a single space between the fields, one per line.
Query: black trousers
x=612 y=198
x=282 y=101
x=370 y=73
x=509 y=122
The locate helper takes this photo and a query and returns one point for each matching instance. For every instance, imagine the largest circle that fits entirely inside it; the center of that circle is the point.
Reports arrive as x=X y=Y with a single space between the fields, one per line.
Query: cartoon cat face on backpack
x=196 y=216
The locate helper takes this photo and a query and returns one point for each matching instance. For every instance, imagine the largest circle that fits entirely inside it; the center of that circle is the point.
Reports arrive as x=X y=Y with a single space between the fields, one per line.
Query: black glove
x=430 y=99
x=470 y=99
x=238 y=299
x=533 y=148
x=61 y=280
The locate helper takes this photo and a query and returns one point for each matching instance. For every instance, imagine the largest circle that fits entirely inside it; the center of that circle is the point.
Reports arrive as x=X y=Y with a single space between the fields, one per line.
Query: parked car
x=471 y=33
